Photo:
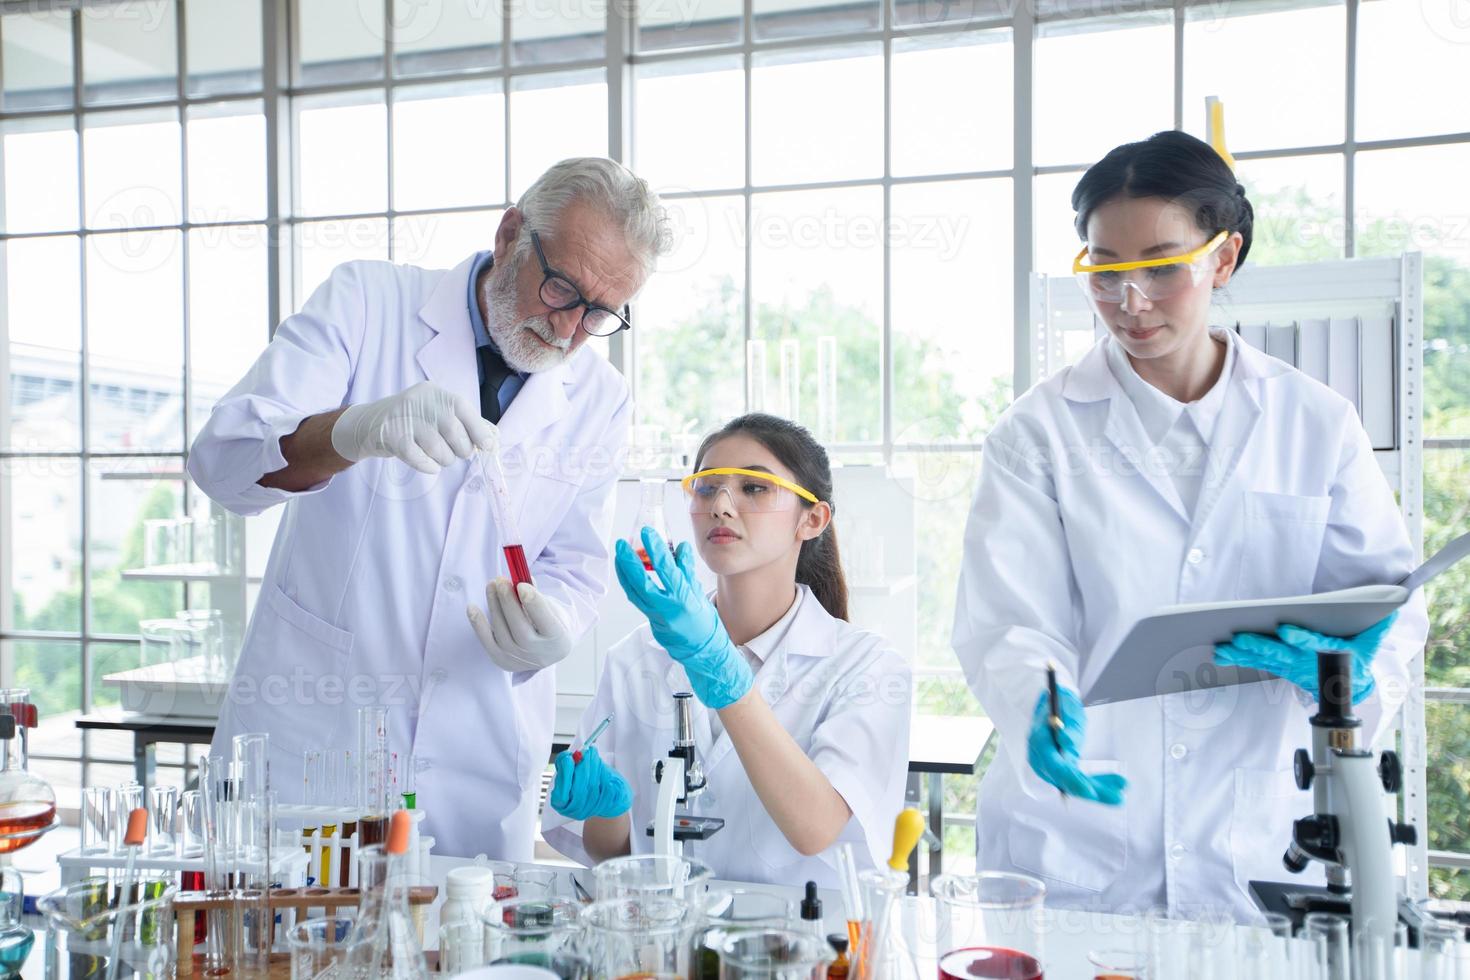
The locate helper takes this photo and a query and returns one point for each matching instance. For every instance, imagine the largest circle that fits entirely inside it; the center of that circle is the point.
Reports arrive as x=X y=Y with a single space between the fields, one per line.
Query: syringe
x=505 y=526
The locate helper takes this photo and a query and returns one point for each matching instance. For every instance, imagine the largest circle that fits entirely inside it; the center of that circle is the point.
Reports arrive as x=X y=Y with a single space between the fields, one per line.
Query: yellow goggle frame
x=1188 y=258
x=688 y=482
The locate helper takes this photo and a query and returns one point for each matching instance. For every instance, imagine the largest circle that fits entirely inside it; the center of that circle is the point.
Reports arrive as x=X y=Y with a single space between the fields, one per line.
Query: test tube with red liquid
x=505 y=526
x=650 y=514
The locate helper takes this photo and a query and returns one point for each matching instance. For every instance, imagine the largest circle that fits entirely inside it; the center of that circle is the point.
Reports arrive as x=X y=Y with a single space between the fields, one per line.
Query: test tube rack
x=290 y=902
x=326 y=864
x=289 y=864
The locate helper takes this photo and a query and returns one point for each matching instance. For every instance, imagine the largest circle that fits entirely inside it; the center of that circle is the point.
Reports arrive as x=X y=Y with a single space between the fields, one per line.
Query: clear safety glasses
x=750 y=491
x=1154 y=279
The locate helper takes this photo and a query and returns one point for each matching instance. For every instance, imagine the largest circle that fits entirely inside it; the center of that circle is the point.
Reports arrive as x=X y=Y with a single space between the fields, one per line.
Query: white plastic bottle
x=467 y=891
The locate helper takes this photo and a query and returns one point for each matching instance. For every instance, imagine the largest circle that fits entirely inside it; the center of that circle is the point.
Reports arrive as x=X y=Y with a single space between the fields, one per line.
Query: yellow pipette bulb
x=907 y=830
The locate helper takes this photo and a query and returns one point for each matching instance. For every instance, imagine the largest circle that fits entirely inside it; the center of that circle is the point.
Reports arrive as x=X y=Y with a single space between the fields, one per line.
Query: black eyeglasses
x=560 y=293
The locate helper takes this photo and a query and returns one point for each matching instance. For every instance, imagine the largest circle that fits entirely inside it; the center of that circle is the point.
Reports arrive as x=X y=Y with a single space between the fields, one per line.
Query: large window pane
x=36 y=59
x=40 y=174
x=42 y=411
x=1409 y=50
x=343 y=147
x=321 y=246
x=448 y=146
x=339 y=40
x=443 y=241
x=944 y=484
x=1402 y=206
x=122 y=495
x=129 y=51
x=111 y=658
x=41 y=554
x=132 y=169
x=1055 y=234
x=797 y=18
x=690 y=131
x=135 y=341
x=228 y=311
x=813 y=115
x=929 y=135
x=1298 y=208
x=689 y=321
x=671 y=24
x=554 y=117
x=546 y=31
x=224 y=45
x=1126 y=62
x=52 y=670
x=910 y=14
x=452 y=35
x=952 y=362
x=818 y=272
x=226 y=162
x=1299 y=102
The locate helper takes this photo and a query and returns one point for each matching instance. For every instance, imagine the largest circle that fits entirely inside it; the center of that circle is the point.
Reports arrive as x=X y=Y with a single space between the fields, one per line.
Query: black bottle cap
x=838 y=942
x=811 y=906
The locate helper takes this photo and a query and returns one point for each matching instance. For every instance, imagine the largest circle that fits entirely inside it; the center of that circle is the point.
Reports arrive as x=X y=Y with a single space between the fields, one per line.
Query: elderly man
x=364 y=416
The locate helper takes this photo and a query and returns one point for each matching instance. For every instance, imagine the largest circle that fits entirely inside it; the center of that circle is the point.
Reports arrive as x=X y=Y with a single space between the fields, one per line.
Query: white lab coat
x=1073 y=536
x=842 y=693
x=365 y=592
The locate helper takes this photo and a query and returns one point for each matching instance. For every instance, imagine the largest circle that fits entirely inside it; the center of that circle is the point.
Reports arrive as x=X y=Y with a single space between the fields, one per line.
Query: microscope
x=1349 y=830
x=679 y=780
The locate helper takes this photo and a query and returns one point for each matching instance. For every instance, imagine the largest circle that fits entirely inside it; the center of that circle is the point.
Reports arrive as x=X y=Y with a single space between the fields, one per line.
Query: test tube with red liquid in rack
x=505 y=526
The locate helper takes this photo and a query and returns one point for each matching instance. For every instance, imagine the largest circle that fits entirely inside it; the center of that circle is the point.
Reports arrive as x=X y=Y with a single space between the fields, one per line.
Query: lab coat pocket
x=1265 y=801
x=542 y=509
x=1281 y=544
x=304 y=669
x=1080 y=843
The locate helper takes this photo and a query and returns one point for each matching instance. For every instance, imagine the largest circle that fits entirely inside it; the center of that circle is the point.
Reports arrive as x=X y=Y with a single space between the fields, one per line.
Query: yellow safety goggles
x=750 y=491
x=1161 y=278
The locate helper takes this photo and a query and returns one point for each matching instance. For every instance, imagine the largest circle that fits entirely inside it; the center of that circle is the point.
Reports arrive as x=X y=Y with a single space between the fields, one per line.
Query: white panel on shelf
x=1312 y=348
x=1343 y=352
x=1377 y=373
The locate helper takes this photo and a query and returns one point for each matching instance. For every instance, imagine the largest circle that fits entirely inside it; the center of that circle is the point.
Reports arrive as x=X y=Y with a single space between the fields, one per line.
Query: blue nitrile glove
x=590 y=788
x=1292 y=654
x=684 y=622
x=1060 y=767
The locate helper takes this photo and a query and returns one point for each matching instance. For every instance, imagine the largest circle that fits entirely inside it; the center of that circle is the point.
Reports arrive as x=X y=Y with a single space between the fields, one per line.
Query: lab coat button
x=475 y=485
x=453 y=583
x=438 y=674
x=1195 y=556
x=1176 y=852
x=1177 y=750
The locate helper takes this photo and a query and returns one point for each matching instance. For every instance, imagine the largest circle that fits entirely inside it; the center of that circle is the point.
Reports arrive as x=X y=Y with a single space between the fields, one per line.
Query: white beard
x=517 y=338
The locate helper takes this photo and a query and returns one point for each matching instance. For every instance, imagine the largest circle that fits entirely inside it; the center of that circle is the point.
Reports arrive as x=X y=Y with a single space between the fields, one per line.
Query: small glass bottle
x=837 y=969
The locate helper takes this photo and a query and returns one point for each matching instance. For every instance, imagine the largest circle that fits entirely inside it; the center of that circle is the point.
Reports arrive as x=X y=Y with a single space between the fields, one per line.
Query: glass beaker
x=163 y=803
x=877 y=954
x=650 y=874
x=87 y=920
x=984 y=919
x=207 y=640
x=638 y=935
x=160 y=641
x=27 y=802
x=773 y=954
x=327 y=947
x=16 y=938
x=533 y=932
x=727 y=911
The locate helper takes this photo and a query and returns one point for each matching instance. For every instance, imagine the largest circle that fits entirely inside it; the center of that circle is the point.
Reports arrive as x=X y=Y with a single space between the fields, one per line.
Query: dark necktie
x=494 y=372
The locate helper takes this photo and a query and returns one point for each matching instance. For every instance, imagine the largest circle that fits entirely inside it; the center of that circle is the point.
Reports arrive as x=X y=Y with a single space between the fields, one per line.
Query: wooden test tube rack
x=188 y=906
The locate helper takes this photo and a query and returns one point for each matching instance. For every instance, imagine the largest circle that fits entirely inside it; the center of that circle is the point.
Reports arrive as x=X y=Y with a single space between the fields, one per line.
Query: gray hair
x=611 y=188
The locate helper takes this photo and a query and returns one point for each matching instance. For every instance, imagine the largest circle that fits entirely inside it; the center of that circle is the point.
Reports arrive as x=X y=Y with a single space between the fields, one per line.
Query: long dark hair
x=818 y=566
x=1174 y=166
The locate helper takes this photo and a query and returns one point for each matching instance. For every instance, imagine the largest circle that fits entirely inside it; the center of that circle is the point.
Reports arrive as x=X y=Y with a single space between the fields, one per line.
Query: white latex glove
x=526 y=635
x=425 y=426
